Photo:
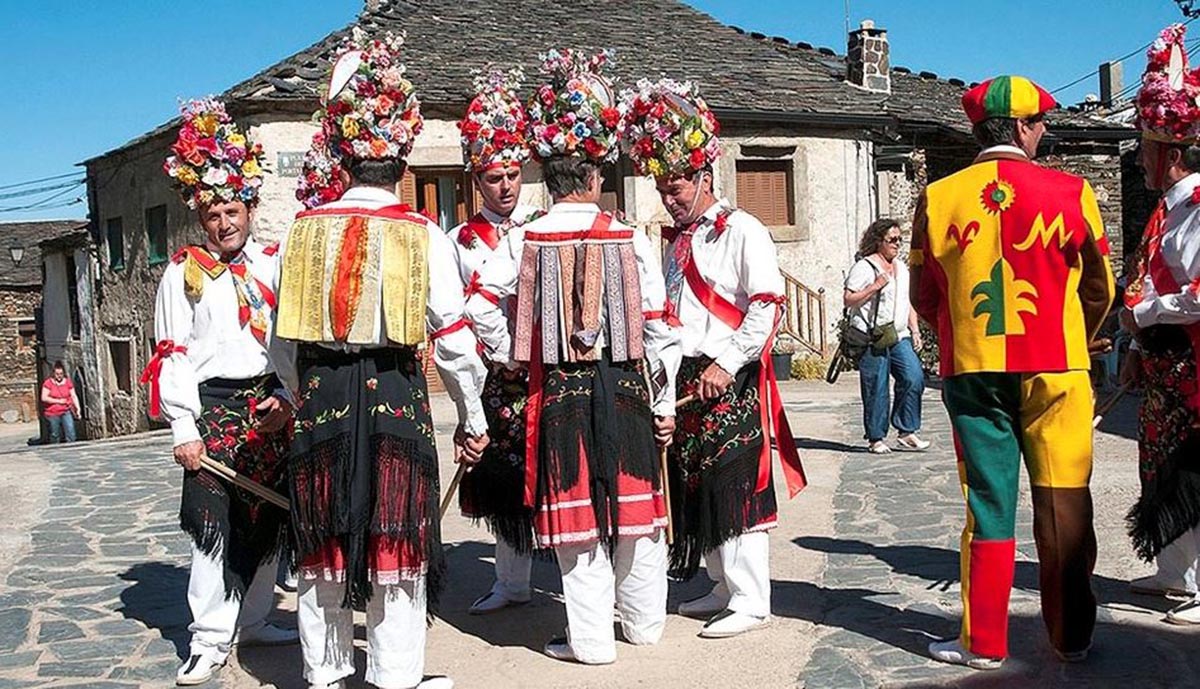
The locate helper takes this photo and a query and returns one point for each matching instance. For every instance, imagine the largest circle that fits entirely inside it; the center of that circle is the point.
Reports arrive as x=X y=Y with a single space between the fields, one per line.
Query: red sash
x=479 y=227
x=153 y=372
x=1165 y=283
x=774 y=421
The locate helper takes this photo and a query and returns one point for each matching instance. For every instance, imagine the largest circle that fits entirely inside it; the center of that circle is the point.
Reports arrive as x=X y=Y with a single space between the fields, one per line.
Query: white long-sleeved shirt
x=738 y=263
x=454 y=354
x=217 y=344
x=499 y=278
x=474 y=254
x=1181 y=251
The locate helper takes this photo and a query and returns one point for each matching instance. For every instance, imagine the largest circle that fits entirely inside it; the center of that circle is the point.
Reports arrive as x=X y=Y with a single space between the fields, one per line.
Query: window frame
x=117 y=223
x=153 y=258
x=785 y=165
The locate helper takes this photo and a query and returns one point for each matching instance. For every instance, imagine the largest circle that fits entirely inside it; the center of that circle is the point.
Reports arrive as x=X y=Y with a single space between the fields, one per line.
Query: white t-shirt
x=891 y=309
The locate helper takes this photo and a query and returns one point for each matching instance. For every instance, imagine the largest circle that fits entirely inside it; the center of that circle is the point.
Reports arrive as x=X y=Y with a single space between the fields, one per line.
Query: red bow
x=153 y=371
x=1195 y=197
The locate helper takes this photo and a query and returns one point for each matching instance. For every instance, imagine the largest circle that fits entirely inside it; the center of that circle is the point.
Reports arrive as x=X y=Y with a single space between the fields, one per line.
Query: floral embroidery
x=372 y=383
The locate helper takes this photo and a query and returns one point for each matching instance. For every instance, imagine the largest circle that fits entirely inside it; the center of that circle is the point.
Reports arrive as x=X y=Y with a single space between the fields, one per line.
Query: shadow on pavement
x=1150 y=654
x=158 y=599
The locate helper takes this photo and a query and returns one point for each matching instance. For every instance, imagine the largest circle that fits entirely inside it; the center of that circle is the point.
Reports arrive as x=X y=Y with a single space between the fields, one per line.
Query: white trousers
x=741 y=568
x=1177 y=562
x=635 y=579
x=216 y=619
x=395 y=633
x=512 y=572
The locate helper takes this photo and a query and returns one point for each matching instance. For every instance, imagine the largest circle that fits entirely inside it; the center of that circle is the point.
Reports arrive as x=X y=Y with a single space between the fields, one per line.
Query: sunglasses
x=892 y=240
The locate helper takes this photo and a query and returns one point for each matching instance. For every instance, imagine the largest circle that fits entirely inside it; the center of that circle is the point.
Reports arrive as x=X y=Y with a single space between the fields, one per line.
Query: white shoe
x=1185 y=614
x=197 y=669
x=703 y=607
x=729 y=623
x=951 y=651
x=560 y=649
x=493 y=601
x=267 y=635
x=332 y=685
x=912 y=443
x=878 y=447
x=440 y=682
x=1153 y=586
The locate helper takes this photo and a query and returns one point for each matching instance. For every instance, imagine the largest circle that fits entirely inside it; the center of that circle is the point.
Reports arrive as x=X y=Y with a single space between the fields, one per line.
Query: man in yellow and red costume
x=1010 y=264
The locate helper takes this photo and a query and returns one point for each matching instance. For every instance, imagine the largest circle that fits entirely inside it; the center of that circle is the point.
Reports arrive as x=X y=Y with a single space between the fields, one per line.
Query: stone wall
x=19 y=364
x=1101 y=167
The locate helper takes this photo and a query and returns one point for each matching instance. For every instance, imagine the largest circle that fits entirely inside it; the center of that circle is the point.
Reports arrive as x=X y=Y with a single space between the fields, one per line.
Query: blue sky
x=83 y=76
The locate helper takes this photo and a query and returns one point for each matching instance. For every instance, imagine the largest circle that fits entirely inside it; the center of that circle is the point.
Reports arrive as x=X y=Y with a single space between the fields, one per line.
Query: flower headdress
x=319 y=181
x=211 y=159
x=576 y=113
x=495 y=129
x=370 y=110
x=669 y=129
x=1168 y=103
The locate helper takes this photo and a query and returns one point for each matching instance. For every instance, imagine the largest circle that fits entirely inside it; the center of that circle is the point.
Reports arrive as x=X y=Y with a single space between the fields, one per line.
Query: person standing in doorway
x=62 y=405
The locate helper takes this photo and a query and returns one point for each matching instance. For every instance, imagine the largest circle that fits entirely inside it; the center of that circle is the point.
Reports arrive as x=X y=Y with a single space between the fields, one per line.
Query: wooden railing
x=804 y=316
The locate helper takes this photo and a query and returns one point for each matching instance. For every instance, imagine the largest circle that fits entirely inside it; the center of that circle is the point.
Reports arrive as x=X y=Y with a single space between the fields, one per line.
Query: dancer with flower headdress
x=216 y=377
x=1162 y=311
x=724 y=295
x=495 y=147
x=1010 y=263
x=364 y=283
x=583 y=282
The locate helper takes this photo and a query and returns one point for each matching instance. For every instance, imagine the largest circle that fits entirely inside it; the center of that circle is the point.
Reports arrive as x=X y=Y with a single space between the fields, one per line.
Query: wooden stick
x=1107 y=405
x=666 y=490
x=452 y=489
x=244 y=483
x=687 y=399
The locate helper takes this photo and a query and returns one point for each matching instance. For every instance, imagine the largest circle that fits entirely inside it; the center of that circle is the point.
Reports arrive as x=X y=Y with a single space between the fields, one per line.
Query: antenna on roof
x=847 y=22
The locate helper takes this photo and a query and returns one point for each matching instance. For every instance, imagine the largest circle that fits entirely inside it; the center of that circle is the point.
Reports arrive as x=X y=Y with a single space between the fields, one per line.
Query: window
x=73 y=295
x=121 y=364
x=612 y=189
x=26 y=333
x=156 y=235
x=440 y=194
x=765 y=190
x=115 y=232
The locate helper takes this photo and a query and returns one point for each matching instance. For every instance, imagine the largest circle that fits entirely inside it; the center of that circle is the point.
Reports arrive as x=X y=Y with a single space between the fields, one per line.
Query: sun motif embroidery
x=997 y=196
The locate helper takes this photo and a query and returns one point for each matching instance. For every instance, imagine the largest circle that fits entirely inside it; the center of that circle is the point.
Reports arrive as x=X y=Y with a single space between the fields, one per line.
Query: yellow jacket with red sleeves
x=1010 y=265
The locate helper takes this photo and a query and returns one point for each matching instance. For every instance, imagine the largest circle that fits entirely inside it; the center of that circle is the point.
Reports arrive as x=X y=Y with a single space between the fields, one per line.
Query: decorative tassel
x=193 y=278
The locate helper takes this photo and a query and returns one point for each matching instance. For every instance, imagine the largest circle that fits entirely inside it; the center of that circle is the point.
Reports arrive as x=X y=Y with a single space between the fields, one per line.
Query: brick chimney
x=867 y=61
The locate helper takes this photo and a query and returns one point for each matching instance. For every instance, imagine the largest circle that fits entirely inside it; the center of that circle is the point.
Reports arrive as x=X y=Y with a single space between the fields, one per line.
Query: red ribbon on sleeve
x=153 y=371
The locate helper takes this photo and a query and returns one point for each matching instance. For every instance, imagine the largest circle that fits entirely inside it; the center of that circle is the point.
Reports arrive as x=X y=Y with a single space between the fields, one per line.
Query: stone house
x=21 y=298
x=816 y=145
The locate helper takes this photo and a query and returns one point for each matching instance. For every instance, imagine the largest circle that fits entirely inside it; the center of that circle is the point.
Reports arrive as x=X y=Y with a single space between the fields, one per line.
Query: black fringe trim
x=1168 y=508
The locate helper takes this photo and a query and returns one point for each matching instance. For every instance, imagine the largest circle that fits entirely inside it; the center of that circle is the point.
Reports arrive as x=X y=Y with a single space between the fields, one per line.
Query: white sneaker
x=951 y=651
x=878 y=447
x=332 y=685
x=1153 y=586
x=440 y=682
x=493 y=601
x=729 y=623
x=1185 y=614
x=560 y=649
x=912 y=443
x=267 y=635
x=197 y=669
x=703 y=607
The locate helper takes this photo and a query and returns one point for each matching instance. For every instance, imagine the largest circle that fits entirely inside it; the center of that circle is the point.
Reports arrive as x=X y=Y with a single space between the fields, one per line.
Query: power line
x=38 y=190
x=39 y=181
x=42 y=203
x=1096 y=71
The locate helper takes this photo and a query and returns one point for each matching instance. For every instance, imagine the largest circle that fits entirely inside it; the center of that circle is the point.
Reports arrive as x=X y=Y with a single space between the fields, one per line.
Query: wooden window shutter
x=764 y=189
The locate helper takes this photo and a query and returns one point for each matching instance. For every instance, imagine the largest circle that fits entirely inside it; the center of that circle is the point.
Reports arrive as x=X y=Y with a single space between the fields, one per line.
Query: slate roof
x=743 y=76
x=29 y=235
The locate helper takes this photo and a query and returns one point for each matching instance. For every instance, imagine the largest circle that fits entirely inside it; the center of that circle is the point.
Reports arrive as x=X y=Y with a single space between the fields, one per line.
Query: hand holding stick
x=215 y=467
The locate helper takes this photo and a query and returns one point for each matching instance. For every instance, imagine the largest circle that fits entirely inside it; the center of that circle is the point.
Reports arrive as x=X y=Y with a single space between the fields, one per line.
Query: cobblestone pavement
x=891 y=581
x=96 y=597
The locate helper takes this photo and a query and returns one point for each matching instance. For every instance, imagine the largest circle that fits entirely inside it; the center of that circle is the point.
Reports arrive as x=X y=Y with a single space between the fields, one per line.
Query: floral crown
x=211 y=159
x=370 y=110
x=669 y=129
x=319 y=181
x=576 y=113
x=1168 y=103
x=495 y=129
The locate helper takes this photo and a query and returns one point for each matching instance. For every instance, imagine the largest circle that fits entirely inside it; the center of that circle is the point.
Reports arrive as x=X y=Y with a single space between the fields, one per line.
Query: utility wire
x=39 y=181
x=38 y=190
x=1096 y=71
x=42 y=203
